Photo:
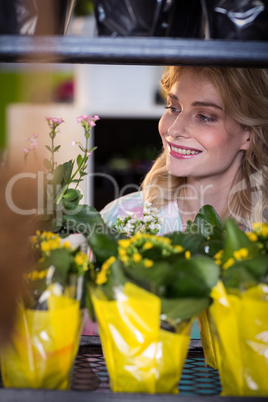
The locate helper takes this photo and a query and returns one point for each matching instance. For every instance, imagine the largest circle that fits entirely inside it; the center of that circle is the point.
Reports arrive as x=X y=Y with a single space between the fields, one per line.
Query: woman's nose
x=179 y=127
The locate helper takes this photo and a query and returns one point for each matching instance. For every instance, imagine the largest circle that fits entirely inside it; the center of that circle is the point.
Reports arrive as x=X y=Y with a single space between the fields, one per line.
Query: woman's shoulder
x=132 y=202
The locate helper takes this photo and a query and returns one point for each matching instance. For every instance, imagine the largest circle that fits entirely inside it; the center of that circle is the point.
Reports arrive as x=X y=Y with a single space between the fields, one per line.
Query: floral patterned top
x=134 y=202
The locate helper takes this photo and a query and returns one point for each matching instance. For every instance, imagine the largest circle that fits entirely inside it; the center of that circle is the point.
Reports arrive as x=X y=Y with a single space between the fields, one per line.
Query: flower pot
x=35 y=17
x=43 y=346
x=139 y=355
x=239 y=323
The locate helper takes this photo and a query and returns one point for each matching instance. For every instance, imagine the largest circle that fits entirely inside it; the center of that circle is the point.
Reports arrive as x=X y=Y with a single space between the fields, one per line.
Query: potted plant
x=145 y=292
x=238 y=316
x=46 y=334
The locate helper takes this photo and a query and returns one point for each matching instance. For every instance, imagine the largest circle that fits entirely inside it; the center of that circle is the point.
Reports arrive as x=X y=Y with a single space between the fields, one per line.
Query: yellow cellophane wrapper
x=241 y=340
x=43 y=346
x=207 y=338
x=140 y=357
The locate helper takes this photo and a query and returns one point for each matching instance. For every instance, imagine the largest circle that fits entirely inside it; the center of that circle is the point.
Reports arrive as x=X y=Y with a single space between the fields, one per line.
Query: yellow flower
x=34 y=275
x=67 y=244
x=80 y=258
x=102 y=275
x=122 y=252
x=218 y=255
x=261 y=228
x=124 y=243
x=178 y=248
x=241 y=254
x=136 y=257
x=148 y=245
x=187 y=255
x=148 y=263
x=101 y=278
x=124 y=258
x=229 y=263
x=252 y=236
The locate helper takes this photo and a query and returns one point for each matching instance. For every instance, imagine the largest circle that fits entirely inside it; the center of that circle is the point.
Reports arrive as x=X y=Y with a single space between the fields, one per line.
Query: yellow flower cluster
x=102 y=275
x=45 y=242
x=131 y=250
x=238 y=255
x=35 y=275
x=261 y=229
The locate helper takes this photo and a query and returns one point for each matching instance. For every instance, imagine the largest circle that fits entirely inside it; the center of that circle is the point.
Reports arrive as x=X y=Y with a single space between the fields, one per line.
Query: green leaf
x=235 y=239
x=192 y=278
x=47 y=147
x=184 y=308
x=71 y=194
x=100 y=237
x=177 y=277
x=47 y=164
x=195 y=243
x=205 y=221
x=57 y=148
x=79 y=160
x=62 y=260
x=247 y=273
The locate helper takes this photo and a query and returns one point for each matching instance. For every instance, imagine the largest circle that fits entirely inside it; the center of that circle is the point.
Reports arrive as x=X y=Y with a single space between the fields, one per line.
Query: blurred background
x=127 y=99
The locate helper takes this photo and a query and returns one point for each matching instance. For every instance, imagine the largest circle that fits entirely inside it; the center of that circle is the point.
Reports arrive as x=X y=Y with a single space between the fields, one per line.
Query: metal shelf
x=132 y=50
x=90 y=381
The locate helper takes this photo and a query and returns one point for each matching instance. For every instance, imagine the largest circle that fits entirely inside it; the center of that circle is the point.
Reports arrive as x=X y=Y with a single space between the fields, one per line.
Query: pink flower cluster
x=54 y=121
x=84 y=118
x=33 y=144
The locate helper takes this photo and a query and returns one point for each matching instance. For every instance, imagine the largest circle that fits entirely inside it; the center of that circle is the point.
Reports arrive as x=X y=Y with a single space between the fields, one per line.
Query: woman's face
x=200 y=140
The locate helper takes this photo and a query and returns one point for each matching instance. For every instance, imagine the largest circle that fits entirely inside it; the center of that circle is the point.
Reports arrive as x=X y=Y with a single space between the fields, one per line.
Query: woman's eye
x=173 y=109
x=206 y=118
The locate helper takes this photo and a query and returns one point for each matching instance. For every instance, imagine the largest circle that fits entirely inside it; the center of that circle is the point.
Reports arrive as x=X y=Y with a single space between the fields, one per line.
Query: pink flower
x=35 y=135
x=89 y=153
x=84 y=118
x=54 y=121
x=25 y=151
x=57 y=121
x=34 y=144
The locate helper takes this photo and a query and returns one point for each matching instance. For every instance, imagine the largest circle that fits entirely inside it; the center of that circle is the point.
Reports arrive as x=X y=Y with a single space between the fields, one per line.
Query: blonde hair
x=244 y=93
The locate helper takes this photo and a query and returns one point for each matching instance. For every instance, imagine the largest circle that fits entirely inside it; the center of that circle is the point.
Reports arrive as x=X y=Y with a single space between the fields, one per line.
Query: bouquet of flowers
x=238 y=316
x=46 y=334
x=146 y=290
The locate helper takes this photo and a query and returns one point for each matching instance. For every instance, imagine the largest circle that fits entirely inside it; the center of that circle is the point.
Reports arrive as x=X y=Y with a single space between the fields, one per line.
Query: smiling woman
x=215 y=146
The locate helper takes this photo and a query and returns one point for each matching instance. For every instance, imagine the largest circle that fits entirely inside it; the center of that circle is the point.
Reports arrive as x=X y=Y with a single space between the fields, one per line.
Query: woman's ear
x=246 y=138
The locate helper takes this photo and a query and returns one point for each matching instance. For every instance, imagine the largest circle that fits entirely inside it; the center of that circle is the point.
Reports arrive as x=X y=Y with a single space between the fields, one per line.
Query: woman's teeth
x=184 y=151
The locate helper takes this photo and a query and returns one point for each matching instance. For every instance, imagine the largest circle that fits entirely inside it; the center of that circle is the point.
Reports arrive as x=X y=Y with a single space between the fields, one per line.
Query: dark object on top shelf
x=172 y=18
x=237 y=19
x=35 y=17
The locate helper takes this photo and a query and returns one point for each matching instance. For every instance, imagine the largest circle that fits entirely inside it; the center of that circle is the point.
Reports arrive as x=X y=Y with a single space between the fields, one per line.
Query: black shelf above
x=132 y=50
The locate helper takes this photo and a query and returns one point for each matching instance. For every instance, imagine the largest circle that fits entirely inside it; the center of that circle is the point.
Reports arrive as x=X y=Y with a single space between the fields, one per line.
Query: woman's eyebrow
x=172 y=96
x=209 y=104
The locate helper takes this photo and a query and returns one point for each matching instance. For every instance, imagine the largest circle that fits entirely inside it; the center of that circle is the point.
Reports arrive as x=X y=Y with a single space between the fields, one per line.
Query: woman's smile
x=182 y=152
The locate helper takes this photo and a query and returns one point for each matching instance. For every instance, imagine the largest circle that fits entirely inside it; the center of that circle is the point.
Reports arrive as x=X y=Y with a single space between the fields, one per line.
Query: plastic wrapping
x=237 y=19
x=240 y=325
x=139 y=355
x=35 y=17
x=43 y=346
x=207 y=339
x=149 y=18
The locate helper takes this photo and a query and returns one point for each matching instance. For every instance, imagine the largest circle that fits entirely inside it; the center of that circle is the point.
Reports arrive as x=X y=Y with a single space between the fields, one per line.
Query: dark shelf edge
x=132 y=50
x=94 y=340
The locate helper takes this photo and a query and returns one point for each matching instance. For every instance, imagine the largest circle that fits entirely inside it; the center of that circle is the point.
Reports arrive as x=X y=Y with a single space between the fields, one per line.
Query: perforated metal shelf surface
x=90 y=381
x=90 y=373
